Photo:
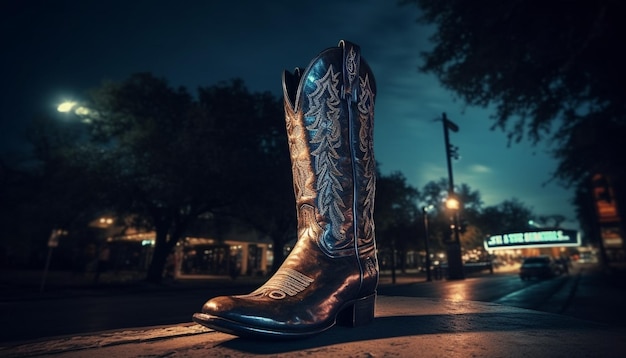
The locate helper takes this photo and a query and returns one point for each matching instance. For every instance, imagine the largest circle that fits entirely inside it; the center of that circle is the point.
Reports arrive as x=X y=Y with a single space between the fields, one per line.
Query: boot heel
x=359 y=313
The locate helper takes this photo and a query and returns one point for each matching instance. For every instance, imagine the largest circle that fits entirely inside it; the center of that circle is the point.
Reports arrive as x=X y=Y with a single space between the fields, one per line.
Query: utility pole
x=426 y=239
x=455 y=262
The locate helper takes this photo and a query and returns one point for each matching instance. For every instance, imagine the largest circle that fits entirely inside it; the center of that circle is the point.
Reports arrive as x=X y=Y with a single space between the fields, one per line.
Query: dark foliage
x=553 y=70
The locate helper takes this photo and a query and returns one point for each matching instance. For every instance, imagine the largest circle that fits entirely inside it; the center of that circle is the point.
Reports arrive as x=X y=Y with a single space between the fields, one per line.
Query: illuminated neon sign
x=533 y=239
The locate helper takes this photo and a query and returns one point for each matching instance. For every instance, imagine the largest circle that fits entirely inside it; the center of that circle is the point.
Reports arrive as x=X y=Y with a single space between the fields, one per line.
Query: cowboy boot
x=331 y=274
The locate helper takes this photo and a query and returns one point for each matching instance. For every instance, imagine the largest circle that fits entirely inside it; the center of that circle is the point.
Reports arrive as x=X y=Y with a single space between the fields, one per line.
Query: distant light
x=82 y=111
x=106 y=221
x=453 y=204
x=66 y=106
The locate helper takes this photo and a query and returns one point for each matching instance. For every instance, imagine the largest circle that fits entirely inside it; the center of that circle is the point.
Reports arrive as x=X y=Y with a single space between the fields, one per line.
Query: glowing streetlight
x=82 y=112
x=66 y=106
x=453 y=204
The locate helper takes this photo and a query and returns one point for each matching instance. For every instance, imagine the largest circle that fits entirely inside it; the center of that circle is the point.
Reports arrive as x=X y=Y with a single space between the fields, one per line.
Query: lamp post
x=53 y=242
x=83 y=113
x=455 y=262
x=426 y=239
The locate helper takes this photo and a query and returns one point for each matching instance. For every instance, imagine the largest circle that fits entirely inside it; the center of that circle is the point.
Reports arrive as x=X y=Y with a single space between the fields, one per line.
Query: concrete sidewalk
x=404 y=327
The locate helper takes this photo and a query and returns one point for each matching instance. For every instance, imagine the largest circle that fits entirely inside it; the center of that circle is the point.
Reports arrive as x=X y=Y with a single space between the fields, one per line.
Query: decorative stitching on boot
x=326 y=133
x=302 y=174
x=366 y=145
x=370 y=266
x=308 y=227
x=284 y=282
x=351 y=65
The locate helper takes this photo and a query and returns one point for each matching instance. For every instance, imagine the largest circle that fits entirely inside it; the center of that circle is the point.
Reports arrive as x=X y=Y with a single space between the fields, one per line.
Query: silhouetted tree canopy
x=44 y=190
x=399 y=217
x=509 y=216
x=164 y=157
x=395 y=215
x=434 y=194
x=396 y=202
x=536 y=61
x=553 y=70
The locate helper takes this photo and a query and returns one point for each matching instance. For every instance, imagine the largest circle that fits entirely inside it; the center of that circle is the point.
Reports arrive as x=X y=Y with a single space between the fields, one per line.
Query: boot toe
x=217 y=306
x=233 y=309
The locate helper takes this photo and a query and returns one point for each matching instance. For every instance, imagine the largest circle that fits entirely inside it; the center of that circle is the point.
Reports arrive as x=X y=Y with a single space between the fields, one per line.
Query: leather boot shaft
x=329 y=110
x=331 y=273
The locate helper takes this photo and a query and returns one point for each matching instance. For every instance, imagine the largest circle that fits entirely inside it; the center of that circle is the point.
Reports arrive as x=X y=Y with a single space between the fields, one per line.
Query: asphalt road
x=504 y=289
x=584 y=293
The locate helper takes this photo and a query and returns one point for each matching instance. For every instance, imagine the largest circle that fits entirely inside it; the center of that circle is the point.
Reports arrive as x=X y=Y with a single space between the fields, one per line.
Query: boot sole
x=355 y=313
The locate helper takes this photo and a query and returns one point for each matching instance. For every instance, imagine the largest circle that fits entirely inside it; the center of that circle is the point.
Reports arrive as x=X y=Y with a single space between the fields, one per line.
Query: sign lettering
x=532 y=239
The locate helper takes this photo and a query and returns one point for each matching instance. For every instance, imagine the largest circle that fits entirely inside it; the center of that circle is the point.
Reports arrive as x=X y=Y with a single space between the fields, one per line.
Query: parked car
x=539 y=267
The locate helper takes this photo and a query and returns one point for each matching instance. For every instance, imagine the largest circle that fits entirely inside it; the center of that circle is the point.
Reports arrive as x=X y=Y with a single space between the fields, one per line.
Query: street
x=581 y=294
x=505 y=289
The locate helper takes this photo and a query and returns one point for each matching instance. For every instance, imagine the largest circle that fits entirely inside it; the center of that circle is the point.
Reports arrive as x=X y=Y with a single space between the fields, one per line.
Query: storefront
x=200 y=256
x=193 y=256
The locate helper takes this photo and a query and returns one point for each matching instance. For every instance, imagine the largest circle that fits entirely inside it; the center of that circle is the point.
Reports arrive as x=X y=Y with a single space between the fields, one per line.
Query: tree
x=45 y=190
x=472 y=204
x=266 y=201
x=509 y=216
x=165 y=158
x=19 y=189
x=395 y=214
x=551 y=220
x=553 y=70
x=434 y=194
x=539 y=61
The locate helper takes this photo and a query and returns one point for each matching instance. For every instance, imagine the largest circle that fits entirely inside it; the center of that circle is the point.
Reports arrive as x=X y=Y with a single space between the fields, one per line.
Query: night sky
x=55 y=50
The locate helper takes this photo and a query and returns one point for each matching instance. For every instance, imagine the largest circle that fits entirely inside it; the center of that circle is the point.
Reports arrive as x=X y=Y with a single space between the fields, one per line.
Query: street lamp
x=455 y=262
x=66 y=106
x=81 y=112
x=453 y=203
x=53 y=242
